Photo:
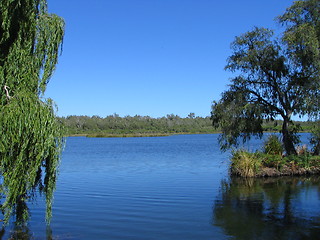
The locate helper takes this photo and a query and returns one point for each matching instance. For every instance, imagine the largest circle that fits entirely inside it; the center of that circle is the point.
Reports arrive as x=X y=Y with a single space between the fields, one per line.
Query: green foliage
x=302 y=36
x=31 y=137
x=245 y=164
x=315 y=139
x=273 y=145
x=275 y=79
x=236 y=118
x=276 y=125
x=272 y=160
x=302 y=160
x=116 y=126
x=30 y=147
x=111 y=126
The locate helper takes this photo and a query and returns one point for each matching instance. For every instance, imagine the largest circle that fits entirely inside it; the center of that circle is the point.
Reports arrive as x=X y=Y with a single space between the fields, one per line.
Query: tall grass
x=245 y=164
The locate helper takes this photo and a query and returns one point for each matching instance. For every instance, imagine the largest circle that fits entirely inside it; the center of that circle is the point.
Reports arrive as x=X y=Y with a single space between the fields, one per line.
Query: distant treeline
x=145 y=125
x=114 y=124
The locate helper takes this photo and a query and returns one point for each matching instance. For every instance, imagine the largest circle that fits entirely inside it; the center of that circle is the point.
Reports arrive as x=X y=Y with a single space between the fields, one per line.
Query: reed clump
x=245 y=164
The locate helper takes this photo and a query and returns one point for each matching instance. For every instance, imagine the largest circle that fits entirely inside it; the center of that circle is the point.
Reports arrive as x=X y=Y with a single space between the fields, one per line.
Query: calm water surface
x=173 y=187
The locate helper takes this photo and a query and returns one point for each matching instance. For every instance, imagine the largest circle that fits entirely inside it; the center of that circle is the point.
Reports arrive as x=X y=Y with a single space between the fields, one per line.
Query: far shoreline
x=152 y=134
x=126 y=135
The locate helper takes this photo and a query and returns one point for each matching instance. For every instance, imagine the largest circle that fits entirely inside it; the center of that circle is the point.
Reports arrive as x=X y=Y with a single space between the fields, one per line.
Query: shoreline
x=286 y=171
x=124 y=135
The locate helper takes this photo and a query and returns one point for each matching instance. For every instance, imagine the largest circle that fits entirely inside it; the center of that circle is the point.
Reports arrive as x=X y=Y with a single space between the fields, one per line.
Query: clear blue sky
x=150 y=57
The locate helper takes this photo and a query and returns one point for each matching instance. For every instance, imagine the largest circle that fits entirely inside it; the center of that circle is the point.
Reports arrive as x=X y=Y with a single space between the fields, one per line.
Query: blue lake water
x=174 y=187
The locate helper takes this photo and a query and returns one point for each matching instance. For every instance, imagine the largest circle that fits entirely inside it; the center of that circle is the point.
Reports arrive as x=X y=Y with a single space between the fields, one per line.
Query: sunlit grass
x=261 y=164
x=245 y=164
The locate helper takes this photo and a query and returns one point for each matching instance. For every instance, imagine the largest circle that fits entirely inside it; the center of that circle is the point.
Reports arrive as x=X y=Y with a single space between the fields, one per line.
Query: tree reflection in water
x=22 y=232
x=272 y=208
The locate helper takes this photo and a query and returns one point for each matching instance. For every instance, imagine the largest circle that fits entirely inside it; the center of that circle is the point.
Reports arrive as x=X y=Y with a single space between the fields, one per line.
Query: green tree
x=302 y=39
x=302 y=36
x=31 y=137
x=275 y=80
x=191 y=115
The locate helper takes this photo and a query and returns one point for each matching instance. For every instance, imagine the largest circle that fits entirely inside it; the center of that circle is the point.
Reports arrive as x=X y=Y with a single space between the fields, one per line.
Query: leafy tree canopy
x=277 y=77
x=30 y=140
x=302 y=40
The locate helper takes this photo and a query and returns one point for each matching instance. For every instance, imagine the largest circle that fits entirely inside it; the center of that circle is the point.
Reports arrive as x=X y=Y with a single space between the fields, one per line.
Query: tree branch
x=266 y=103
x=7 y=92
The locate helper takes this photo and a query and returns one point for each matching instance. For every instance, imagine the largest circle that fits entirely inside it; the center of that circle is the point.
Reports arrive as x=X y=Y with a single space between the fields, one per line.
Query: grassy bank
x=271 y=162
x=260 y=164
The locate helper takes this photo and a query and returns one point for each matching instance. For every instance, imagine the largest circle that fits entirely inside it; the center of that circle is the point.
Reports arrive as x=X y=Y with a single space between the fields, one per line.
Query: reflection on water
x=273 y=208
x=22 y=232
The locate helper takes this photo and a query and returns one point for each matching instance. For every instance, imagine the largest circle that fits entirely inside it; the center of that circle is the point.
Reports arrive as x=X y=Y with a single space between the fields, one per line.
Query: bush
x=315 y=140
x=302 y=160
x=273 y=145
x=273 y=161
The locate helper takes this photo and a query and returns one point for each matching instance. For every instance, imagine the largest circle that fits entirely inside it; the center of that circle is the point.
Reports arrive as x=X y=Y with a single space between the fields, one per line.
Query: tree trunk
x=317 y=149
x=287 y=138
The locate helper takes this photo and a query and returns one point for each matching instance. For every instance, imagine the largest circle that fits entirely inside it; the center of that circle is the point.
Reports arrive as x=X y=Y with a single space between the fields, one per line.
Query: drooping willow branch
x=31 y=137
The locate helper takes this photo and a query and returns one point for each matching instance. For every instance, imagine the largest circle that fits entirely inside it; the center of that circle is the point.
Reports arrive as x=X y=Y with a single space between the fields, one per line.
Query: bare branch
x=7 y=92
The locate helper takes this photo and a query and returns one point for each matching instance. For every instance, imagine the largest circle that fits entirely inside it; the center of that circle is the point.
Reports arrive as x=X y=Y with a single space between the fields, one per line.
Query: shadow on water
x=273 y=208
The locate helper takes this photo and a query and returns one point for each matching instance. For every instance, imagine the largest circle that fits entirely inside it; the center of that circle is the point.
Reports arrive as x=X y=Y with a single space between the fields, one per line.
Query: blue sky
x=150 y=57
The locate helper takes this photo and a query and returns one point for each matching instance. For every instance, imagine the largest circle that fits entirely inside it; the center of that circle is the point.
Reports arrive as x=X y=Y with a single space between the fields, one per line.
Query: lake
x=174 y=187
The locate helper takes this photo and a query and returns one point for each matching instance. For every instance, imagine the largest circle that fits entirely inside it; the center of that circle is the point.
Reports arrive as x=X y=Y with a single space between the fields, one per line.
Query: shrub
x=315 y=140
x=302 y=160
x=273 y=145
x=273 y=161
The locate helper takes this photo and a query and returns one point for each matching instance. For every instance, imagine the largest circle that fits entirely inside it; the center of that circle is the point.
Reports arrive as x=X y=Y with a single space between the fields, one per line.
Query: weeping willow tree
x=31 y=137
